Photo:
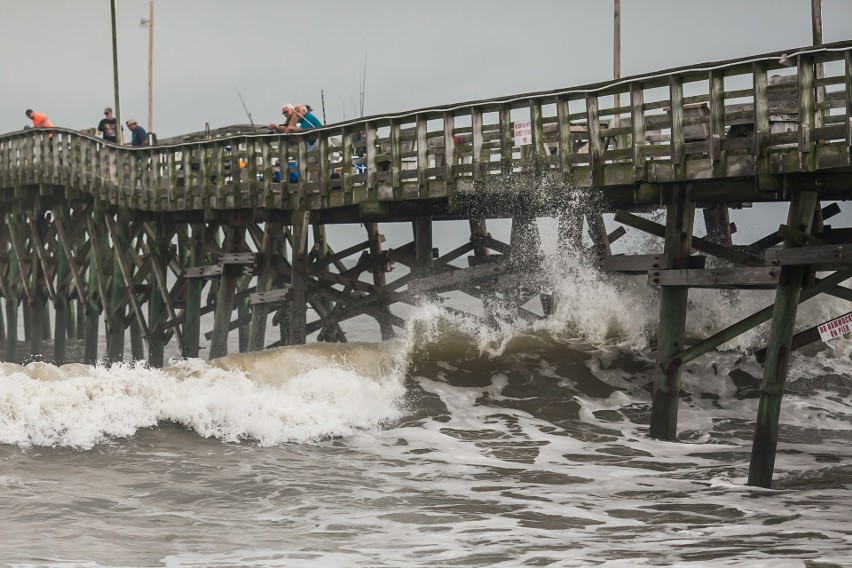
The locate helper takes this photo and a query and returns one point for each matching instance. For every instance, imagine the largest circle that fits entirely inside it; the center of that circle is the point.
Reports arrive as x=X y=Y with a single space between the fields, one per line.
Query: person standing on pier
x=107 y=126
x=39 y=120
x=140 y=137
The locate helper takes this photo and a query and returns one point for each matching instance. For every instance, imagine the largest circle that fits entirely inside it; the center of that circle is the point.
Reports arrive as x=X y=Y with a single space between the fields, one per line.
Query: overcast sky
x=57 y=54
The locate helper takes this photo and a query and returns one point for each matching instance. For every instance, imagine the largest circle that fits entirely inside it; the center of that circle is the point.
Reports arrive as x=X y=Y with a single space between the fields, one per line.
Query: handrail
x=751 y=116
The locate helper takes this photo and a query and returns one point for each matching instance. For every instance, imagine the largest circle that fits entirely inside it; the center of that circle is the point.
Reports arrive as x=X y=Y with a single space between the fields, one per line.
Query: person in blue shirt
x=307 y=119
x=140 y=137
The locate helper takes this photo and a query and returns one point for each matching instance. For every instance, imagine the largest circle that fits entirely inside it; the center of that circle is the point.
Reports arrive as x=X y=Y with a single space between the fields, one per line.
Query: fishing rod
x=245 y=108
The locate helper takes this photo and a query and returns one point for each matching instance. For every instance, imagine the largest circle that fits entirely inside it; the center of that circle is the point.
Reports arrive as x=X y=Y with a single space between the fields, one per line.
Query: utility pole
x=150 y=24
x=816 y=21
x=616 y=55
x=116 y=104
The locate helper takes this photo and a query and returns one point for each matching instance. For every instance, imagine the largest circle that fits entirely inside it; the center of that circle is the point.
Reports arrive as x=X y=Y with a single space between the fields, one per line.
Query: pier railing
x=777 y=113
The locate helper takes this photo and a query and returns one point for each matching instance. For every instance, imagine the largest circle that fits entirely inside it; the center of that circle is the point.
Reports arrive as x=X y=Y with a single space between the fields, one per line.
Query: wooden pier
x=150 y=240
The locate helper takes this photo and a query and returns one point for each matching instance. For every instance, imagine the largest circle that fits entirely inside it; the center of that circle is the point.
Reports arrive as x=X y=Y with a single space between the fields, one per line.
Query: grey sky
x=56 y=54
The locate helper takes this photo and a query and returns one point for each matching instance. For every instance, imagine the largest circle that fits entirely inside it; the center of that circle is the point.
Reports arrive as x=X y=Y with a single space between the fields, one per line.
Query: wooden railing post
x=678 y=149
x=637 y=120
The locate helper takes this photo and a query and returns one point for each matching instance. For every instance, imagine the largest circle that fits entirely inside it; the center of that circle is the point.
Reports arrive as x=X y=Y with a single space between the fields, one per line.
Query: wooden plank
x=278 y=296
x=816 y=255
x=642 y=263
x=763 y=278
x=209 y=271
x=237 y=258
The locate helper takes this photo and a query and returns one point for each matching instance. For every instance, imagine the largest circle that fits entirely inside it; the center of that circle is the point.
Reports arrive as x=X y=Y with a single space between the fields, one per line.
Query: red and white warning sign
x=523 y=133
x=836 y=327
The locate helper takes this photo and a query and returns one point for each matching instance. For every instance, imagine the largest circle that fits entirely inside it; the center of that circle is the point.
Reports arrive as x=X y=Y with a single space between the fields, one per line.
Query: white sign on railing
x=836 y=327
x=523 y=133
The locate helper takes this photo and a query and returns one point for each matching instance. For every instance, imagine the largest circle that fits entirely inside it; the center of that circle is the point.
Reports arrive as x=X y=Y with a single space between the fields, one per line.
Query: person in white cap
x=140 y=137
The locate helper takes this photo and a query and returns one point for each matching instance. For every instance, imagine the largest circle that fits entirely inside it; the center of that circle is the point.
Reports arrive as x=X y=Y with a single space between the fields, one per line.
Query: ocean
x=457 y=444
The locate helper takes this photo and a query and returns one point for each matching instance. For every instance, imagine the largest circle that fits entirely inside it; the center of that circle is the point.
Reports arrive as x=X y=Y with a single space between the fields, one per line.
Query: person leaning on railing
x=39 y=120
x=140 y=137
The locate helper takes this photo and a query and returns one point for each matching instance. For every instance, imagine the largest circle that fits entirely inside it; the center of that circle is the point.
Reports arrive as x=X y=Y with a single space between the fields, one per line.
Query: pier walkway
x=134 y=237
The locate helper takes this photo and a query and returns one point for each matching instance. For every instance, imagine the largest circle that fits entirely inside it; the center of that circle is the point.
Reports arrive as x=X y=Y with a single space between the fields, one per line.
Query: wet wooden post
x=266 y=273
x=244 y=315
x=117 y=311
x=299 y=282
x=98 y=260
x=778 y=350
x=12 y=301
x=525 y=239
x=194 y=288
x=226 y=294
x=61 y=306
x=718 y=224
x=570 y=228
x=422 y=228
x=38 y=299
x=323 y=306
x=680 y=213
x=137 y=341
x=379 y=278
x=158 y=248
x=598 y=234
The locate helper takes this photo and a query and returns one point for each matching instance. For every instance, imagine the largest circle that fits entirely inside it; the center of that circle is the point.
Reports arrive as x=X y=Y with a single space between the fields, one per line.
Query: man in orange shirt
x=39 y=120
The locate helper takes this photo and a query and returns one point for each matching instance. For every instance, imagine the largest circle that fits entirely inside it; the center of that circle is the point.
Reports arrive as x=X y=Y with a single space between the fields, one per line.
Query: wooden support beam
x=778 y=351
x=815 y=256
x=699 y=244
x=753 y=278
x=642 y=263
x=680 y=214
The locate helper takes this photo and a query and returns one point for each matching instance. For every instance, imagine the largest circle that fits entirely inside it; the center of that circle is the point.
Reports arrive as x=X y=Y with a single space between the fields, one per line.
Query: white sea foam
x=269 y=398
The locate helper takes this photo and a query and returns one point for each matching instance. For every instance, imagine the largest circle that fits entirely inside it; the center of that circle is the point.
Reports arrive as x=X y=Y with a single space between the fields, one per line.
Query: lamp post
x=149 y=23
